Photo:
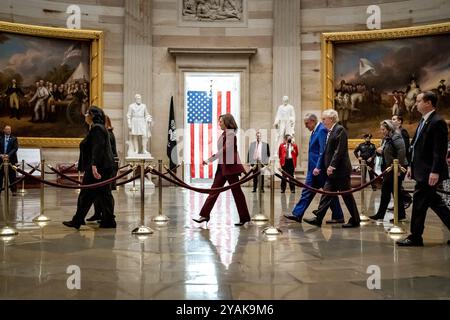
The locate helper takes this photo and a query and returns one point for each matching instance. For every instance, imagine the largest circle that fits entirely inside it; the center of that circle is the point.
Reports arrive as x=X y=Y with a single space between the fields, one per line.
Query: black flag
x=172 y=139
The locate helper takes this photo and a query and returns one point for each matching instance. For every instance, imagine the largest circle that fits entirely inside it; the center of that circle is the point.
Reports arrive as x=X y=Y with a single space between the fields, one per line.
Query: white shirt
x=257 y=153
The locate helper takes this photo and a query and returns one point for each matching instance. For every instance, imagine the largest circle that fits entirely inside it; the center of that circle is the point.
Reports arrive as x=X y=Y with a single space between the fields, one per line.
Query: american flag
x=203 y=111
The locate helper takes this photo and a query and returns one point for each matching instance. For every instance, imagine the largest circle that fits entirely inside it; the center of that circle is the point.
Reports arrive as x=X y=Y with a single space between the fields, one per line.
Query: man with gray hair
x=337 y=164
x=315 y=177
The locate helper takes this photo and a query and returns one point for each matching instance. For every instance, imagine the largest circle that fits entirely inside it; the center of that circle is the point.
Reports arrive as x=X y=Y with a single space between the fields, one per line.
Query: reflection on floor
x=184 y=260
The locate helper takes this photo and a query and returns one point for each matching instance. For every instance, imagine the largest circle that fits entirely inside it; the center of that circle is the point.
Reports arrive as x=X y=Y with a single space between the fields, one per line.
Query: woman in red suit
x=229 y=169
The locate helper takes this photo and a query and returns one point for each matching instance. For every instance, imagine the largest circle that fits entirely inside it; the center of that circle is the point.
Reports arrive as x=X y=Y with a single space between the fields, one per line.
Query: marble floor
x=184 y=260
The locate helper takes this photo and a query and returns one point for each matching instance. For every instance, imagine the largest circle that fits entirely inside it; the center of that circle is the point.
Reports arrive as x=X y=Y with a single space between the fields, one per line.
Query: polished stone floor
x=184 y=260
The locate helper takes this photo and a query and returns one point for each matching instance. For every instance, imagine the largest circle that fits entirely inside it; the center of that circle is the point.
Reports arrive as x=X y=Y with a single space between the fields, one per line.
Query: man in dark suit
x=8 y=150
x=258 y=151
x=336 y=163
x=315 y=178
x=428 y=167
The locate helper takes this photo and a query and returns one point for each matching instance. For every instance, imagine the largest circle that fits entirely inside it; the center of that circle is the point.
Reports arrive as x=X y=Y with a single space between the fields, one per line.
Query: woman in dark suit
x=393 y=147
x=112 y=139
x=229 y=169
x=97 y=162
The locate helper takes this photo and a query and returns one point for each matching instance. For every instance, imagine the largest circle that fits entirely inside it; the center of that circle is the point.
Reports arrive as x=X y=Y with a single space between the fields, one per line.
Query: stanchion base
x=161 y=218
x=8 y=231
x=363 y=217
x=259 y=217
x=133 y=189
x=21 y=192
x=142 y=230
x=41 y=218
x=396 y=230
x=271 y=231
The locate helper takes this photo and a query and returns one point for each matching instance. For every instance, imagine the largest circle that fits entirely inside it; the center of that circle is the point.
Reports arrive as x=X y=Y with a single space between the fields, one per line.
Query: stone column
x=286 y=58
x=137 y=57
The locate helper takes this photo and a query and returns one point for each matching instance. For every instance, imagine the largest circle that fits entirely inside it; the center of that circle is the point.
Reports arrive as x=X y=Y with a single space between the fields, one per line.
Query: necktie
x=6 y=144
x=328 y=135
x=420 y=127
x=255 y=154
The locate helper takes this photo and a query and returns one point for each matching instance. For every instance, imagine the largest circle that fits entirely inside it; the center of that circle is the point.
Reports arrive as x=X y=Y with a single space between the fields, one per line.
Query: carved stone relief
x=212 y=10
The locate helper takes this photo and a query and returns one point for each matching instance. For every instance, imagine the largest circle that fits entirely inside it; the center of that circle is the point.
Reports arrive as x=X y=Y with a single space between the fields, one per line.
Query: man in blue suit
x=315 y=177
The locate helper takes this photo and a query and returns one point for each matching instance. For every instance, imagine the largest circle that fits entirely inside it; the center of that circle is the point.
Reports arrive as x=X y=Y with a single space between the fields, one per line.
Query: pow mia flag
x=172 y=139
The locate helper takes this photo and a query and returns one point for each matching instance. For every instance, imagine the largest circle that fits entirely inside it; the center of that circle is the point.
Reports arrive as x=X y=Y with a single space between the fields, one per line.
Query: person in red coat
x=288 y=153
x=229 y=169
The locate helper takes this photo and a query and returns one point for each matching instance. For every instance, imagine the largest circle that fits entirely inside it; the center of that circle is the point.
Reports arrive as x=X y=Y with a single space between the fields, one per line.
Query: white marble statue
x=285 y=119
x=139 y=124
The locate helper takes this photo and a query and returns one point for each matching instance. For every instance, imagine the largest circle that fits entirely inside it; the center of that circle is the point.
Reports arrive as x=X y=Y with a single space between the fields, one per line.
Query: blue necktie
x=420 y=127
x=6 y=144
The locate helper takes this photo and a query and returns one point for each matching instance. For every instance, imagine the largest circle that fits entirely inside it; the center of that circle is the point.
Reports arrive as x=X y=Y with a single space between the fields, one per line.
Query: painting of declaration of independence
x=377 y=79
x=44 y=85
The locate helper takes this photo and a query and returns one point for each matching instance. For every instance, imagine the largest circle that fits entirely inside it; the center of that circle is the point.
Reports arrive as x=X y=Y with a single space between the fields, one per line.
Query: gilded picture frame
x=76 y=61
x=391 y=66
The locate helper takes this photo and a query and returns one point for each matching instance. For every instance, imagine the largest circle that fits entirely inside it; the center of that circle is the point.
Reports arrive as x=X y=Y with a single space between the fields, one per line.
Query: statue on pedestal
x=285 y=120
x=139 y=123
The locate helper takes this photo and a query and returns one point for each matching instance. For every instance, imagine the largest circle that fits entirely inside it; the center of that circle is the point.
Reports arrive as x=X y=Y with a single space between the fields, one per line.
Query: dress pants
x=426 y=197
x=11 y=178
x=256 y=182
x=387 y=188
x=238 y=195
x=289 y=168
x=307 y=196
x=338 y=184
x=102 y=195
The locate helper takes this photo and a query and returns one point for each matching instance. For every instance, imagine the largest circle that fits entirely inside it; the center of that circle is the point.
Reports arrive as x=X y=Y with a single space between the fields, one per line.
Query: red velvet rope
x=64 y=175
x=202 y=190
x=330 y=193
x=81 y=186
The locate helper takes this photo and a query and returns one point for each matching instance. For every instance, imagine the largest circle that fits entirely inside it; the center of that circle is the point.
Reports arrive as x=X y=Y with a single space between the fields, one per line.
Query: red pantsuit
x=229 y=169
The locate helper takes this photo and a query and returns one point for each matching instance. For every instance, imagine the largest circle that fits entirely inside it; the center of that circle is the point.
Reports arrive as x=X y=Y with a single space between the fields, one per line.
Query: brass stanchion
x=142 y=229
x=260 y=217
x=41 y=217
x=6 y=231
x=271 y=231
x=362 y=213
x=396 y=229
x=79 y=180
x=160 y=218
x=22 y=191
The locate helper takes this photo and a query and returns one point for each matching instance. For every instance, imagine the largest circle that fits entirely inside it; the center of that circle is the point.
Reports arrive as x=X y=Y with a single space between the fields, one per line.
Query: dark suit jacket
x=95 y=149
x=229 y=160
x=336 y=153
x=429 y=150
x=13 y=145
x=265 y=153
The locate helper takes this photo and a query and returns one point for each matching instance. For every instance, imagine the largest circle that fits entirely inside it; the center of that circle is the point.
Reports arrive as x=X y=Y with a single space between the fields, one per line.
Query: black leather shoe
x=315 y=212
x=241 y=223
x=293 y=218
x=71 y=224
x=350 y=225
x=399 y=219
x=201 y=219
x=95 y=217
x=333 y=221
x=376 y=217
x=253 y=190
x=448 y=242
x=409 y=243
x=313 y=221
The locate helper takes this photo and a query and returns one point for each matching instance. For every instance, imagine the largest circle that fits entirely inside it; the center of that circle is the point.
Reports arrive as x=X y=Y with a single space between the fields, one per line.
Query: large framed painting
x=48 y=78
x=369 y=76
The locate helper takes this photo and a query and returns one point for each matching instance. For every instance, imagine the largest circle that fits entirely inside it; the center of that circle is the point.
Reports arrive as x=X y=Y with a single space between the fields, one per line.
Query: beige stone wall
x=167 y=33
x=105 y=15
